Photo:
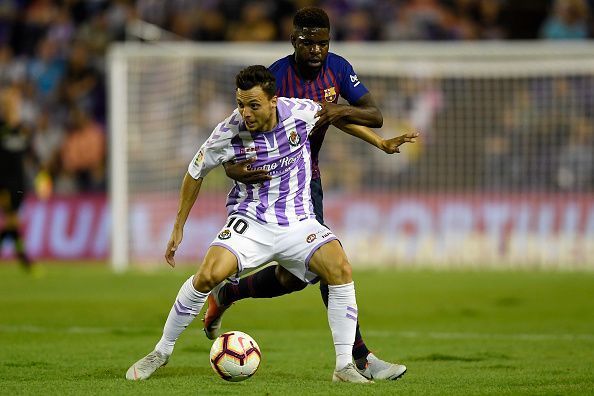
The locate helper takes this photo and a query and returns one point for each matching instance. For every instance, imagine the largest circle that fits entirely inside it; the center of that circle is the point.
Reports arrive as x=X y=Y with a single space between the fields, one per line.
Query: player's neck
x=307 y=73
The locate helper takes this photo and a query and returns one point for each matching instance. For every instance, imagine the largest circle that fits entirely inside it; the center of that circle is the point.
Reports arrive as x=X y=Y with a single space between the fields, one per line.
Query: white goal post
x=502 y=176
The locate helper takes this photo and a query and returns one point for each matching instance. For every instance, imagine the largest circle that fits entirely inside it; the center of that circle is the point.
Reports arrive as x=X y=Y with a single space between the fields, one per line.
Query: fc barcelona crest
x=330 y=94
x=294 y=138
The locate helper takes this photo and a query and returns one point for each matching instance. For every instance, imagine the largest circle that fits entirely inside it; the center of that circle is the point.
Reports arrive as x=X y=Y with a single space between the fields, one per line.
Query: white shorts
x=255 y=244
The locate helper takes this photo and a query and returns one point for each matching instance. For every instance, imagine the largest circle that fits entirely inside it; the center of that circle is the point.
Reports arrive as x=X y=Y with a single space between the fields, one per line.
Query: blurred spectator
x=61 y=31
x=8 y=14
x=81 y=83
x=256 y=24
x=153 y=11
x=210 y=26
x=95 y=34
x=38 y=18
x=29 y=106
x=47 y=142
x=11 y=69
x=490 y=19
x=568 y=20
x=422 y=20
x=46 y=69
x=357 y=26
x=507 y=147
x=576 y=162
x=83 y=152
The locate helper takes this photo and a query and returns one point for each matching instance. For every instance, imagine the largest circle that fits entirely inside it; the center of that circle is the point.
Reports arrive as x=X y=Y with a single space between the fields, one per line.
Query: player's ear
x=293 y=40
x=273 y=101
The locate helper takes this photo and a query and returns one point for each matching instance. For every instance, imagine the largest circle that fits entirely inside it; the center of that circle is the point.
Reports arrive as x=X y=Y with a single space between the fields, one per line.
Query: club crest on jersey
x=310 y=238
x=225 y=234
x=294 y=138
x=330 y=94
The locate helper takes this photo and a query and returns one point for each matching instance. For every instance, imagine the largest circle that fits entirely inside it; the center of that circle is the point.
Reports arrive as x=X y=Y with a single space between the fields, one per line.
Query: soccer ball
x=235 y=356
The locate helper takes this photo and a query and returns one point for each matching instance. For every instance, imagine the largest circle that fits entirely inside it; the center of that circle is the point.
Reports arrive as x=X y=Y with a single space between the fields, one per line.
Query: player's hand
x=241 y=172
x=328 y=114
x=392 y=146
x=176 y=237
x=43 y=184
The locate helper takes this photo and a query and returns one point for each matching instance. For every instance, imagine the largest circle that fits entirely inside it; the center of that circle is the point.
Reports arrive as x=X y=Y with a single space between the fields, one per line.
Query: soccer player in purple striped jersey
x=269 y=221
x=314 y=73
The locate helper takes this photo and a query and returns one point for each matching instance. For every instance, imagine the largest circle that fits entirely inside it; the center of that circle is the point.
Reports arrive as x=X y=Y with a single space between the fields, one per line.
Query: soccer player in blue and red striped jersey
x=312 y=72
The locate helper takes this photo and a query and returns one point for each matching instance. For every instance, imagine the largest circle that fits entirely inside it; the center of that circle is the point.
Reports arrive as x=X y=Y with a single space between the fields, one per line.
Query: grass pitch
x=77 y=329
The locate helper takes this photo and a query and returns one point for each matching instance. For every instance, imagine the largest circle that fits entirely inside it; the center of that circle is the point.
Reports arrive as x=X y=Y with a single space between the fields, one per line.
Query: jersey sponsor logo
x=355 y=80
x=225 y=234
x=283 y=165
x=294 y=138
x=330 y=94
x=326 y=235
x=310 y=238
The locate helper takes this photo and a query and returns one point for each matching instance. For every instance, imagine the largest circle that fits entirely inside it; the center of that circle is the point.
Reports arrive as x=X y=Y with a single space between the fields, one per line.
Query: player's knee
x=205 y=282
x=289 y=281
x=340 y=272
x=206 y=279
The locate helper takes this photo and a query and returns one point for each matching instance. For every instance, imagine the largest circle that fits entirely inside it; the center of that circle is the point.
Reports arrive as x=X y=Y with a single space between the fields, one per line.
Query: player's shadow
x=479 y=357
x=166 y=372
x=184 y=371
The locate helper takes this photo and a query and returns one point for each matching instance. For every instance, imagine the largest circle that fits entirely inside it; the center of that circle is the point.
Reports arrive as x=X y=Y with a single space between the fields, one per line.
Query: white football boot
x=378 y=369
x=146 y=366
x=349 y=374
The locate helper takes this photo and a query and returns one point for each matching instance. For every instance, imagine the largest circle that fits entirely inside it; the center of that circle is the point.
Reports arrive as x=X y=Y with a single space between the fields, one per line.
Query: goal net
x=502 y=176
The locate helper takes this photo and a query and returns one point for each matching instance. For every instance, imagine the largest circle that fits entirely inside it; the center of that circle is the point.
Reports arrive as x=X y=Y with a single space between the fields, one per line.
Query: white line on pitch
x=404 y=334
x=483 y=336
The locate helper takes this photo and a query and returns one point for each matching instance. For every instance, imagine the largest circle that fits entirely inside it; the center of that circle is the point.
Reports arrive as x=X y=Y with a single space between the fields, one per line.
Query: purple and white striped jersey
x=284 y=152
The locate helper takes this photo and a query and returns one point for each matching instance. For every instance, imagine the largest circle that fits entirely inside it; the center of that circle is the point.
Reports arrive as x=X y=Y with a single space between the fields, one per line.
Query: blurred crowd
x=360 y=20
x=543 y=138
x=52 y=54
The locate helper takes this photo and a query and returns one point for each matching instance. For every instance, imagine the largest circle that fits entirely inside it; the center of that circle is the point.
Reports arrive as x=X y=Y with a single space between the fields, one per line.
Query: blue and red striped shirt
x=336 y=78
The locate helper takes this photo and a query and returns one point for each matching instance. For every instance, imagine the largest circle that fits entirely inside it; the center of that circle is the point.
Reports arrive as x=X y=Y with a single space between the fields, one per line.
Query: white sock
x=187 y=305
x=342 y=317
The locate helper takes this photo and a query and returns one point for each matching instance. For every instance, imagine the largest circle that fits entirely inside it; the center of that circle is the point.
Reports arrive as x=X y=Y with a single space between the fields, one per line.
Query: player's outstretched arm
x=389 y=146
x=363 y=112
x=392 y=146
x=187 y=196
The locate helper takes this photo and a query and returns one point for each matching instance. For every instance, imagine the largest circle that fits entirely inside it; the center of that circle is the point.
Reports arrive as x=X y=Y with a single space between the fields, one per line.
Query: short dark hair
x=256 y=75
x=311 y=17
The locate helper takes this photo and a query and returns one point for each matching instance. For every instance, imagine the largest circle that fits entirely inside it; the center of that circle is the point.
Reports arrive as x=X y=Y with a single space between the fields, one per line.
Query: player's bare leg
x=218 y=264
x=330 y=263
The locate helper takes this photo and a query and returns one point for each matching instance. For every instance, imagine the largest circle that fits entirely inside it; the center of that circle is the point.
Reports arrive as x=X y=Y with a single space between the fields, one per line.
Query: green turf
x=77 y=329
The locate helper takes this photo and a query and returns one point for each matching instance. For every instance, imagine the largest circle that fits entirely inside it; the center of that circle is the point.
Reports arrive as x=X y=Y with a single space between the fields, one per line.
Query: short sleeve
x=216 y=150
x=351 y=88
